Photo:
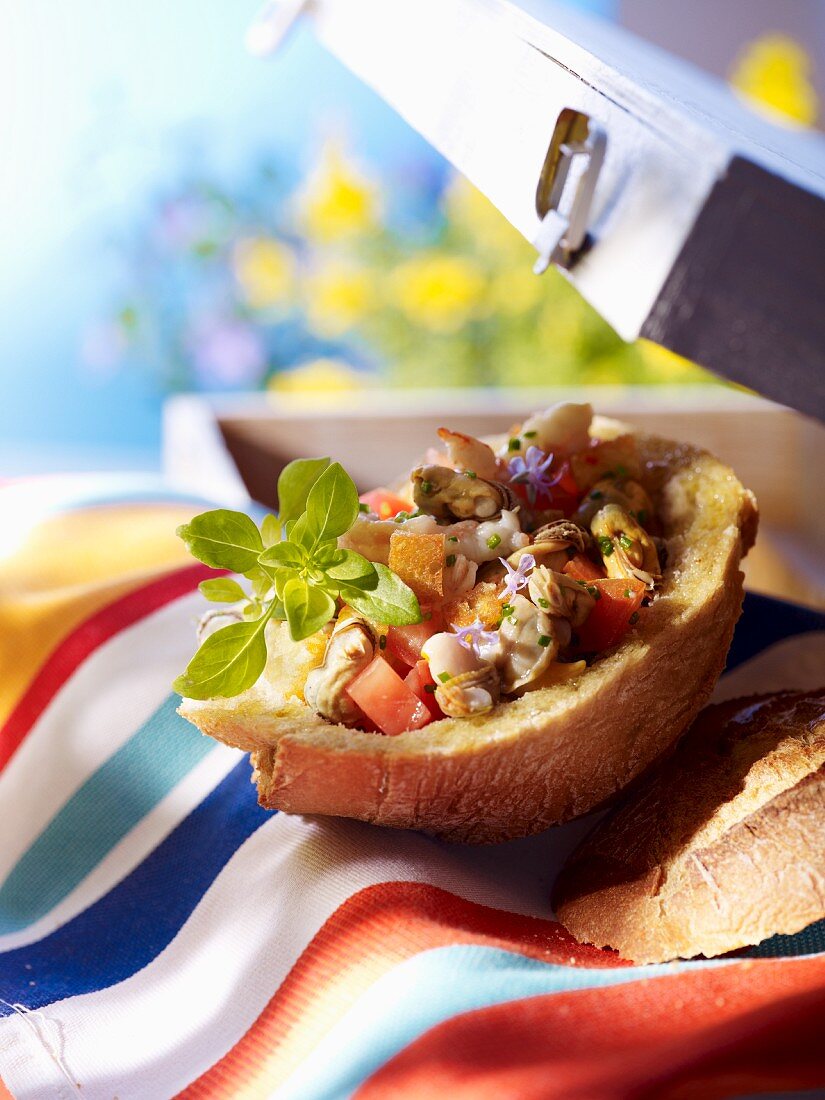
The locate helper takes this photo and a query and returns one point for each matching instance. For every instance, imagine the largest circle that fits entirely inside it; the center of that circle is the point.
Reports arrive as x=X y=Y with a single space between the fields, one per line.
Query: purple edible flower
x=532 y=471
x=474 y=636
x=516 y=578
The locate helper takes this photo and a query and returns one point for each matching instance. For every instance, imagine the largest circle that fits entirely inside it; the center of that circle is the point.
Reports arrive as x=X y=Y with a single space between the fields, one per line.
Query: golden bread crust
x=555 y=753
x=720 y=848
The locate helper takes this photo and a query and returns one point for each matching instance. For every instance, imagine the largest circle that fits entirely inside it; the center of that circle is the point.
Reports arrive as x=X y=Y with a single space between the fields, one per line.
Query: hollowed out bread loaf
x=551 y=755
x=721 y=847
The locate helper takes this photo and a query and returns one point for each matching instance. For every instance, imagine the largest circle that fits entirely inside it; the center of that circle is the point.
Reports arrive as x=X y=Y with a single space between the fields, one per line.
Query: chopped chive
x=514 y=445
x=430 y=688
x=382 y=642
x=530 y=435
x=634 y=618
x=626 y=541
x=426 y=487
x=451 y=559
x=621 y=471
x=545 y=640
x=493 y=541
x=627 y=593
x=605 y=545
x=543 y=602
x=594 y=592
x=452 y=538
x=363 y=507
x=582 y=583
x=444 y=677
x=507 y=609
x=470 y=473
x=641 y=515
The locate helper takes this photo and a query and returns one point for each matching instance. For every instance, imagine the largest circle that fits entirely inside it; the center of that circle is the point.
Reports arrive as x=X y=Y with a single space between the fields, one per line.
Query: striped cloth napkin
x=161 y=935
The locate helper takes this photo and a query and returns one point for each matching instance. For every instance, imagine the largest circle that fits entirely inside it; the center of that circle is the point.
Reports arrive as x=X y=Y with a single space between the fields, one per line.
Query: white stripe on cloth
x=112 y=693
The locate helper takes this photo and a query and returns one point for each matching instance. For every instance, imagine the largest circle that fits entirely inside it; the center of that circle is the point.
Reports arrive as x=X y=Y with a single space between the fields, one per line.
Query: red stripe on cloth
x=718 y=1032
x=85 y=639
x=370 y=933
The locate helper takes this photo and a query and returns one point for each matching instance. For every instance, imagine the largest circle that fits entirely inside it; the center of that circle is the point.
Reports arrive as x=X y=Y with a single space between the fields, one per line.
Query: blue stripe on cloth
x=100 y=813
x=765 y=622
x=429 y=988
x=134 y=922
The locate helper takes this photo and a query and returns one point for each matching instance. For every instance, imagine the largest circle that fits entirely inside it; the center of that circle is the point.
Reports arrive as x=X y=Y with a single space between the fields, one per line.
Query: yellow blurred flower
x=440 y=292
x=516 y=291
x=339 y=200
x=317 y=376
x=338 y=296
x=474 y=214
x=265 y=270
x=774 y=73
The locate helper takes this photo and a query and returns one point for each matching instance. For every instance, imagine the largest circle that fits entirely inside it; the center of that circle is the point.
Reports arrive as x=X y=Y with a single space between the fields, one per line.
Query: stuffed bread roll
x=500 y=644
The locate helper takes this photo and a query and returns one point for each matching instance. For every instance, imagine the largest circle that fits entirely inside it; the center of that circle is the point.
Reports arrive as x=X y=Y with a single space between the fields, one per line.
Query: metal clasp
x=561 y=235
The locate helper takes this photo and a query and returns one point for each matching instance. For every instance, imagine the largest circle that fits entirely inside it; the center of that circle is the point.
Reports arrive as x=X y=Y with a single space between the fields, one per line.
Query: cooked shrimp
x=560 y=429
x=468 y=453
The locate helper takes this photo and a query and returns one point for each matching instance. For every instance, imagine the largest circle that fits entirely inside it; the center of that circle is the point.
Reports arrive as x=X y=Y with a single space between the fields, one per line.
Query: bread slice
x=721 y=847
x=553 y=754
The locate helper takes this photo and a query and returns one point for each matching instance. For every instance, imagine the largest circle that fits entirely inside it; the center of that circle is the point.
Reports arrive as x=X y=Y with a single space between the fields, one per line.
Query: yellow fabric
x=70 y=566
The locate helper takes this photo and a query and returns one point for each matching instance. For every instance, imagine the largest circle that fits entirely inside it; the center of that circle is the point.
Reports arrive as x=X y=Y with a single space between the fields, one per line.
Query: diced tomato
x=619 y=600
x=386 y=700
x=405 y=642
x=564 y=494
x=420 y=680
x=385 y=504
x=581 y=568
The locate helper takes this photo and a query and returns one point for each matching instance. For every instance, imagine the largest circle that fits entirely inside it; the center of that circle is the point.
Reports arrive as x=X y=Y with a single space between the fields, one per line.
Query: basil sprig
x=296 y=571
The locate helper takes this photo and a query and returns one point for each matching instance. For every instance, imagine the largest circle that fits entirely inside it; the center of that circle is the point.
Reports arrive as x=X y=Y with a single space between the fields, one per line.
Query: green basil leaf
x=289 y=554
x=388 y=600
x=332 y=504
x=222 y=590
x=270 y=530
x=294 y=485
x=223 y=539
x=301 y=533
x=350 y=567
x=307 y=608
x=228 y=662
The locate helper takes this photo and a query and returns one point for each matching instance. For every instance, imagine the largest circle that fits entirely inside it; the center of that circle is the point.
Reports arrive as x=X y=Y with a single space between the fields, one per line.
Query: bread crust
x=555 y=753
x=718 y=849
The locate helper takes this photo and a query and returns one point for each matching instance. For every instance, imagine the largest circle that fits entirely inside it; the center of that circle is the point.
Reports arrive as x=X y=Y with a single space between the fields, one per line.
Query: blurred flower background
x=186 y=218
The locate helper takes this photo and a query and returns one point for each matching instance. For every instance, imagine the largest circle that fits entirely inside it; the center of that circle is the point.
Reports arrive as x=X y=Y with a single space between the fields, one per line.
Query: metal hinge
x=576 y=140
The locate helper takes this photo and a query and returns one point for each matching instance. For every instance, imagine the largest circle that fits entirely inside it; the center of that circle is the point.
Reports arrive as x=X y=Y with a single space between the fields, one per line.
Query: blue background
x=102 y=102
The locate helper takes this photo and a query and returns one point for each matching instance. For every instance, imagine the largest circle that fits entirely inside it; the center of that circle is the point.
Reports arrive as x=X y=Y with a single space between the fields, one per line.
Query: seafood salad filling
x=491 y=573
